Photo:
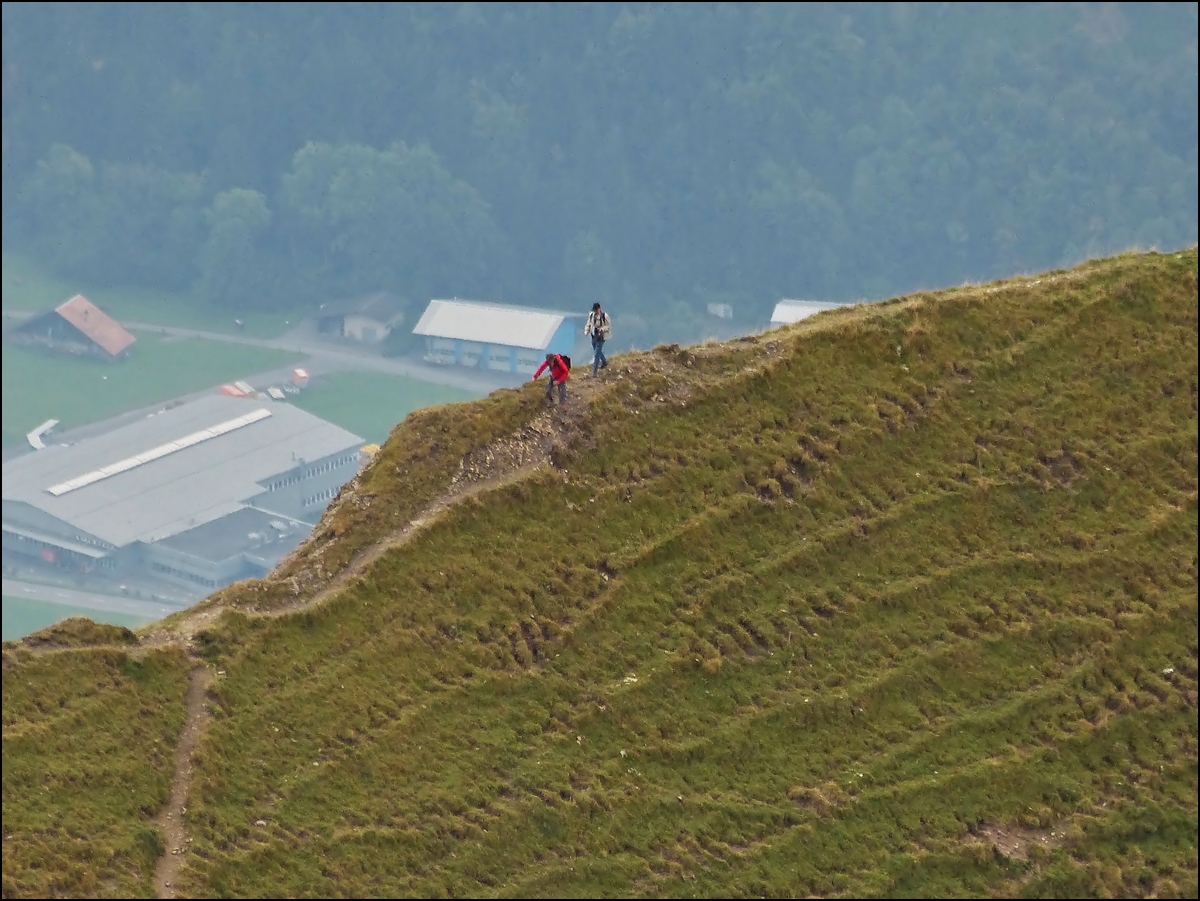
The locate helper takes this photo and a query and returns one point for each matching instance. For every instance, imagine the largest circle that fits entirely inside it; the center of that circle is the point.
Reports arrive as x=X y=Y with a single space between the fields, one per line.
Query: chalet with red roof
x=77 y=326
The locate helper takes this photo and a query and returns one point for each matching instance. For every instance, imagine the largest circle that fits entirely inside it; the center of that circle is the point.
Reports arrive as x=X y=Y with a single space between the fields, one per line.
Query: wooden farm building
x=367 y=319
x=77 y=326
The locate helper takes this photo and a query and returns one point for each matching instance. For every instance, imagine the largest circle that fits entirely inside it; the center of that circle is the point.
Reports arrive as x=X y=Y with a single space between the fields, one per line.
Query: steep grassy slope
x=895 y=601
x=89 y=736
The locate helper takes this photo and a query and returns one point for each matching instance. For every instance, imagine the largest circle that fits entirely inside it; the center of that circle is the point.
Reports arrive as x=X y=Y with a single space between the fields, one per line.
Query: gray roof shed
x=491 y=323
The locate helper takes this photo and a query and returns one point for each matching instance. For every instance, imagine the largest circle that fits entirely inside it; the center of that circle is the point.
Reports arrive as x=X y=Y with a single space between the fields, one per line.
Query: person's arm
x=545 y=363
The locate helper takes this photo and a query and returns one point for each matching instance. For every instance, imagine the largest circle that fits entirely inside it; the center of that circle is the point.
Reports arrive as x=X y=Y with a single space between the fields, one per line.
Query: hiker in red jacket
x=560 y=371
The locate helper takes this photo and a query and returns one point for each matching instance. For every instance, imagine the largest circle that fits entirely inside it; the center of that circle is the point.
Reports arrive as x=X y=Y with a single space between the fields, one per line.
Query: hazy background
x=657 y=158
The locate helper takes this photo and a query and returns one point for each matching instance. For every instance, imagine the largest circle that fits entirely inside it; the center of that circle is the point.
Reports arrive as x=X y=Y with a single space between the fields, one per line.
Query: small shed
x=495 y=336
x=77 y=326
x=789 y=311
x=368 y=319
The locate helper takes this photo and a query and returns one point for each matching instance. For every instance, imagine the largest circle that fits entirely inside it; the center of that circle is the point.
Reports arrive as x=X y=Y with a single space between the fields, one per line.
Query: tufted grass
x=897 y=601
x=89 y=741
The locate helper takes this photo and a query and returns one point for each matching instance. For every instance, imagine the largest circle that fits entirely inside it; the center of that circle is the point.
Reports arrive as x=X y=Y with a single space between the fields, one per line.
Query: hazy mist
x=656 y=158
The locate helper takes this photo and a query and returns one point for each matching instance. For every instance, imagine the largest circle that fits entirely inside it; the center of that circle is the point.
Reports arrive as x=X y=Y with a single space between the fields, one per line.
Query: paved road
x=88 y=600
x=328 y=357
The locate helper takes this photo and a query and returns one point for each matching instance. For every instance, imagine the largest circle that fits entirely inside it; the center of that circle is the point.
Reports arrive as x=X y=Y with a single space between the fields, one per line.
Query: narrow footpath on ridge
x=516 y=457
x=503 y=462
x=551 y=425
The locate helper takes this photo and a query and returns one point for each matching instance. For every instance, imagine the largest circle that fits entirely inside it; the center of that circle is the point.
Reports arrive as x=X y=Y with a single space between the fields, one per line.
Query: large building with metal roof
x=495 y=336
x=203 y=493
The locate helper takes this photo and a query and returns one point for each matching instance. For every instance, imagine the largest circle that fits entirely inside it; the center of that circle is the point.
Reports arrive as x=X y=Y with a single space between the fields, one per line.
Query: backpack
x=566 y=361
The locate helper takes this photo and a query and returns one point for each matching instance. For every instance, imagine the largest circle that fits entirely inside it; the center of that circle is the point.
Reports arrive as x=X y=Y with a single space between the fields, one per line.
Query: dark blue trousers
x=600 y=359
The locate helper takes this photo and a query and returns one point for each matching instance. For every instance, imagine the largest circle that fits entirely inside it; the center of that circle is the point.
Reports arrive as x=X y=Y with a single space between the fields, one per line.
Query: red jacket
x=558 y=369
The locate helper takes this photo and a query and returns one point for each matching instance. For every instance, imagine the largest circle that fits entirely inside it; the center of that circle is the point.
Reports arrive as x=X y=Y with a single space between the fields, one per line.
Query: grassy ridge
x=895 y=601
x=913 y=548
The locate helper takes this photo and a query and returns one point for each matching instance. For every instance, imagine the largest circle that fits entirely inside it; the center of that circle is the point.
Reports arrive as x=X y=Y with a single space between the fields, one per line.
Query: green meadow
x=22 y=616
x=31 y=286
x=900 y=600
x=38 y=386
x=370 y=404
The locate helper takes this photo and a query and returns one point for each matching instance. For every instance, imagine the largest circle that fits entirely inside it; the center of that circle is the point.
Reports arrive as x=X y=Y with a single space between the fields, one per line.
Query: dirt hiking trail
x=171 y=818
x=503 y=462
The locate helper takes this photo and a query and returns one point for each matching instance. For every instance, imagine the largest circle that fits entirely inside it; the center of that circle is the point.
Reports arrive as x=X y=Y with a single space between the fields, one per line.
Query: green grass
x=812 y=613
x=33 y=286
x=38 y=386
x=370 y=404
x=23 y=616
x=78 y=815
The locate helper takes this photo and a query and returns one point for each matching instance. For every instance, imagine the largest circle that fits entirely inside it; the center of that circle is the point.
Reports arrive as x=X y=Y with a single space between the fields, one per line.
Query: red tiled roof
x=93 y=322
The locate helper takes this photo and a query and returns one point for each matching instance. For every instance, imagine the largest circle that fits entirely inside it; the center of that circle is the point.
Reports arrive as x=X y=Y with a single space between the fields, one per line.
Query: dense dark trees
x=655 y=157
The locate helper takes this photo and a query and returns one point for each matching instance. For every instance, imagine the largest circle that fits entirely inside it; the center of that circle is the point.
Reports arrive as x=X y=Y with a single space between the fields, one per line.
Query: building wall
x=19 y=550
x=364 y=328
x=52 y=331
x=565 y=338
x=182 y=568
x=498 y=358
x=501 y=357
x=474 y=355
x=440 y=350
x=529 y=359
x=259 y=556
x=21 y=514
x=470 y=353
x=306 y=490
x=50 y=554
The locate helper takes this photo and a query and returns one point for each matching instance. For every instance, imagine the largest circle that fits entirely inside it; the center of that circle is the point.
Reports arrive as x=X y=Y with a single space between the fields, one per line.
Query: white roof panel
x=154 y=453
x=489 y=323
x=789 y=311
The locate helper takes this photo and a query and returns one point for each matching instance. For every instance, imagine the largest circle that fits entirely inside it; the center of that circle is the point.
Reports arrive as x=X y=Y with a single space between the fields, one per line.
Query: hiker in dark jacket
x=598 y=327
x=559 y=373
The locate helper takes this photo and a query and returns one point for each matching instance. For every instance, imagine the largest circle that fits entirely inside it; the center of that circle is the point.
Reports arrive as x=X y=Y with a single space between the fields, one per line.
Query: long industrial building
x=202 y=494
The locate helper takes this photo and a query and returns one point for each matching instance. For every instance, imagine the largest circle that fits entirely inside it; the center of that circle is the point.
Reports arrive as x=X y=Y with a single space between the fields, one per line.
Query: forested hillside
x=657 y=157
